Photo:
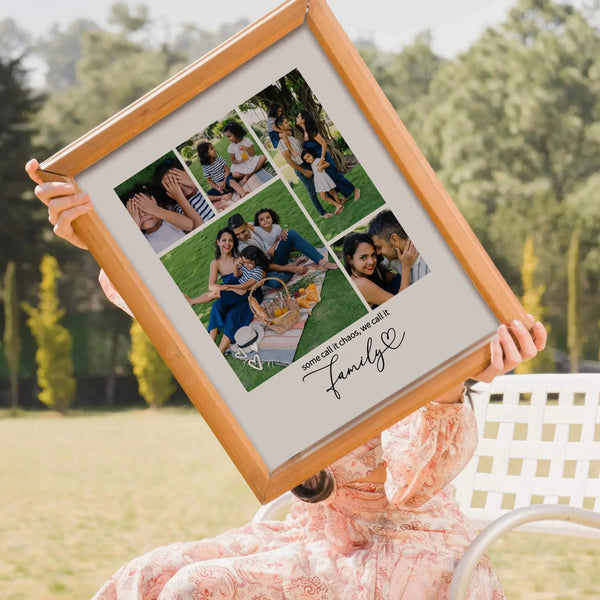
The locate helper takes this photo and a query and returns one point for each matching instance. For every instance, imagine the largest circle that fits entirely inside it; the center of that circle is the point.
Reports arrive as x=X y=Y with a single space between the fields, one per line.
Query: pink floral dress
x=368 y=541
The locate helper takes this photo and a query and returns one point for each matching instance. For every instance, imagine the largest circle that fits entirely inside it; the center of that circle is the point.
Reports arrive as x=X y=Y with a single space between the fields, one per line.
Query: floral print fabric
x=369 y=541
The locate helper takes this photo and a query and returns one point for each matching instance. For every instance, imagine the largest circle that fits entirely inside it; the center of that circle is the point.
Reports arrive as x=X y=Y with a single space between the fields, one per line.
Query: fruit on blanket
x=303 y=302
x=302 y=291
x=312 y=295
x=311 y=286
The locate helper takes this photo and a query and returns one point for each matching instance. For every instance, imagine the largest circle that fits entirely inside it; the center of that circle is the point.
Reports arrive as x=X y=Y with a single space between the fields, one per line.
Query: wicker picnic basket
x=279 y=324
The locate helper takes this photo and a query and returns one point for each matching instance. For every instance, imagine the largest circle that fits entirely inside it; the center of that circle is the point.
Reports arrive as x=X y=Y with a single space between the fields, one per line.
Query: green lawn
x=83 y=494
x=369 y=201
x=189 y=266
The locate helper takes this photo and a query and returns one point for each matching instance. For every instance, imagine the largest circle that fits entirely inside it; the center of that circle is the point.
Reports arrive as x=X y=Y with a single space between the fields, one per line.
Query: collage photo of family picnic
x=272 y=229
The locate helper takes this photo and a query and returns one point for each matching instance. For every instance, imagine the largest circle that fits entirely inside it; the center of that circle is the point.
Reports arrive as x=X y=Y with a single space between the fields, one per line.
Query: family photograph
x=311 y=154
x=264 y=285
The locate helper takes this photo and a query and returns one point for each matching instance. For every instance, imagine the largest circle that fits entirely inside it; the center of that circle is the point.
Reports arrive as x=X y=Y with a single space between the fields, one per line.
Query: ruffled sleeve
x=426 y=450
x=111 y=293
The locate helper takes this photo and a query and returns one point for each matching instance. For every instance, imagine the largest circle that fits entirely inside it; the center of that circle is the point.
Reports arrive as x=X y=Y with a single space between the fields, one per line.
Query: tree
x=405 y=76
x=54 y=342
x=112 y=71
x=513 y=128
x=155 y=382
x=295 y=95
x=532 y=303
x=14 y=41
x=12 y=334
x=23 y=220
x=61 y=50
x=573 y=321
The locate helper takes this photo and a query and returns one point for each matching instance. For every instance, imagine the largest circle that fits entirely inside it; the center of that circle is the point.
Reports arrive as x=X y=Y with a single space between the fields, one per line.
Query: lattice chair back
x=539 y=443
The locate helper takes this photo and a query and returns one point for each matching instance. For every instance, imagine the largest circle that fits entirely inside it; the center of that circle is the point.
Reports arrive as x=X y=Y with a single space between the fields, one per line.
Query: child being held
x=323 y=183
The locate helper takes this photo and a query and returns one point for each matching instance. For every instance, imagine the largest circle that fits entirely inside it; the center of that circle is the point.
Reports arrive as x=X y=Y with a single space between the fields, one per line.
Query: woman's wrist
x=454 y=396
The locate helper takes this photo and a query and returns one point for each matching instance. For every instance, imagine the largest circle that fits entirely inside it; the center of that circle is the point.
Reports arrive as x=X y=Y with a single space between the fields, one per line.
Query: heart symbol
x=255 y=362
x=388 y=337
x=239 y=353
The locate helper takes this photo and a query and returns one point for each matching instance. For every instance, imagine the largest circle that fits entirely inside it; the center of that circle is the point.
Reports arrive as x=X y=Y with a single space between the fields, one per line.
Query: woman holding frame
x=381 y=522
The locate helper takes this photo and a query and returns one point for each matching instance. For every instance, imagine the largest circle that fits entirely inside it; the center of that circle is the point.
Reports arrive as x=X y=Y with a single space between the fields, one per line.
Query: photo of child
x=165 y=202
x=226 y=160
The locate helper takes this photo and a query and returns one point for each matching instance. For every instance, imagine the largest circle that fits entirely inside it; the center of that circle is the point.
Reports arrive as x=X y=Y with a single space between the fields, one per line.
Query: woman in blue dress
x=238 y=274
x=314 y=142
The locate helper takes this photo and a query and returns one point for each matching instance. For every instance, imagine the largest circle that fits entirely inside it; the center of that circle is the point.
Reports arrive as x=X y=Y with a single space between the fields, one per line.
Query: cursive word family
x=375 y=355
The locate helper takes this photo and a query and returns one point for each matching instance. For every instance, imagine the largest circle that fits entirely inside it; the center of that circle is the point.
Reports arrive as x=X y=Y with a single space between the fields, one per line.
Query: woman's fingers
x=63 y=225
x=57 y=205
x=510 y=347
x=524 y=340
x=31 y=167
x=540 y=336
x=47 y=192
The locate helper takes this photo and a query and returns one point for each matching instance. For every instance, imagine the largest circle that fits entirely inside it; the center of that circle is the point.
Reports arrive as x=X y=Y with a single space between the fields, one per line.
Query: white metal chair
x=537 y=464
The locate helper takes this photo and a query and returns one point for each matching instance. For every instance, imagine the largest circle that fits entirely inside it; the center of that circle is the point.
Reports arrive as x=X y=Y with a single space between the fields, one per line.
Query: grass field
x=189 y=264
x=82 y=494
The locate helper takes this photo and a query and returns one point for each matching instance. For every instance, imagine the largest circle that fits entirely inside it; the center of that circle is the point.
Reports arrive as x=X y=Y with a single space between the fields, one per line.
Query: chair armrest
x=520 y=516
x=267 y=511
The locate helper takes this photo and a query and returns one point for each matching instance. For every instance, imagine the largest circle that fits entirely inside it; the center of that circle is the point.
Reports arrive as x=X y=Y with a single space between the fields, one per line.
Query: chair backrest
x=539 y=443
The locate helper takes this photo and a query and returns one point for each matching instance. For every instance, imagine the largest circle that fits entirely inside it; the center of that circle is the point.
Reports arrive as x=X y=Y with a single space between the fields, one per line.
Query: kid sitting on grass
x=323 y=183
x=217 y=173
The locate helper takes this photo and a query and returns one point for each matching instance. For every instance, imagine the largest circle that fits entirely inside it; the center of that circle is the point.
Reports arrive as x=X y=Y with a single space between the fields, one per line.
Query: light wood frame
x=151 y=108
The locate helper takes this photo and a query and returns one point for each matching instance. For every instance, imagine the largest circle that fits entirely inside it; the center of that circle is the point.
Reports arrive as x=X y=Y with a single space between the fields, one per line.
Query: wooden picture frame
x=382 y=391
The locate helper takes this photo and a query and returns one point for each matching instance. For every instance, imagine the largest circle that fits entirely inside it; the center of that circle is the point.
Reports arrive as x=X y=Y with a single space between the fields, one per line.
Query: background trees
x=512 y=126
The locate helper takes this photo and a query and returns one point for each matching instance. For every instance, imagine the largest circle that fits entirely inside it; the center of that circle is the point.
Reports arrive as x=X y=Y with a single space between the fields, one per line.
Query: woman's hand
x=507 y=351
x=408 y=256
x=64 y=205
x=511 y=346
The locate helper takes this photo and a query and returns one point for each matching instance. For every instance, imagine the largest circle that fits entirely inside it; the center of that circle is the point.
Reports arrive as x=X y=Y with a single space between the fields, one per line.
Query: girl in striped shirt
x=217 y=173
x=250 y=267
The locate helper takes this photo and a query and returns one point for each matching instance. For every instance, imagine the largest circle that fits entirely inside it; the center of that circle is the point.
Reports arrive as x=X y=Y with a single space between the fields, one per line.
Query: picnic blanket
x=280 y=349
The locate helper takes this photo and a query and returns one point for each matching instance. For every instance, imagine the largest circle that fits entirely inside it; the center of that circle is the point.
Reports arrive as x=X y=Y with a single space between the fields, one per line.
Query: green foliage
x=532 y=302
x=12 y=336
x=512 y=127
x=406 y=76
x=14 y=41
x=573 y=320
x=155 y=381
x=112 y=72
x=54 y=353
